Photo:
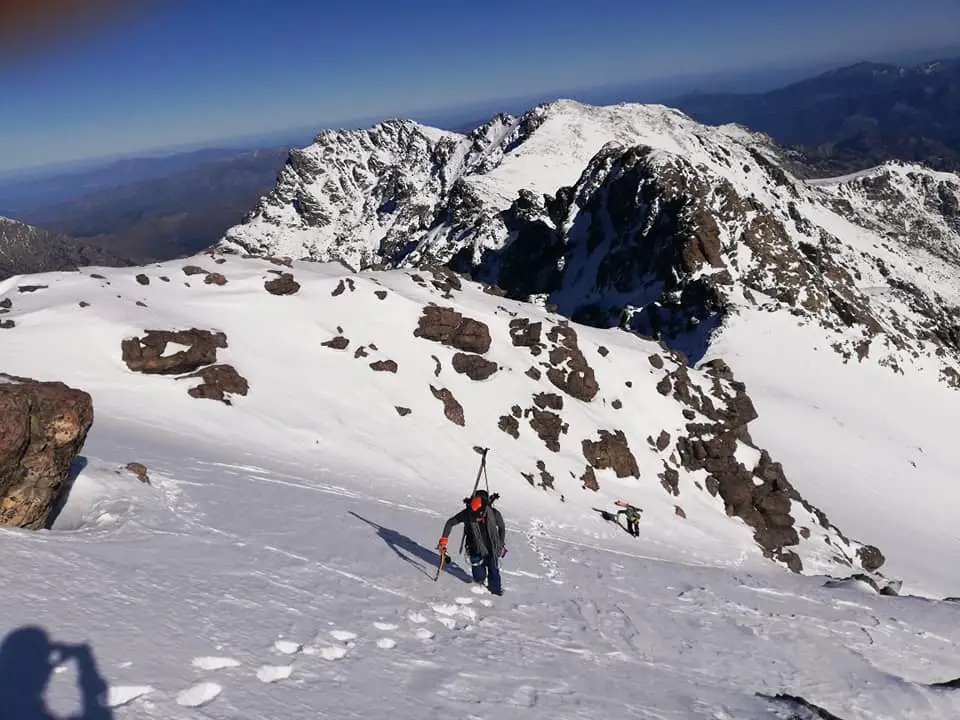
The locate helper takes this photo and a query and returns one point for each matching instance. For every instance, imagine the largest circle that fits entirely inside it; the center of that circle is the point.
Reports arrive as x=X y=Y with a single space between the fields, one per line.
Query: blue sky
x=195 y=70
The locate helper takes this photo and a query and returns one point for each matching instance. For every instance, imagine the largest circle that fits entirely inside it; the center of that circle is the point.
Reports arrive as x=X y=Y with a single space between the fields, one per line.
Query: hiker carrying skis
x=632 y=515
x=484 y=536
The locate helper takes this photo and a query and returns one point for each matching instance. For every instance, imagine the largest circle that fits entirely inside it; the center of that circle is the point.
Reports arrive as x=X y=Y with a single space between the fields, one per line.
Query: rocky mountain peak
x=637 y=216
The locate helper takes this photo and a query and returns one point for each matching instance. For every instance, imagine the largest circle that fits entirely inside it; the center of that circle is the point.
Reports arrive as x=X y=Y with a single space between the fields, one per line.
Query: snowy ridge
x=358 y=196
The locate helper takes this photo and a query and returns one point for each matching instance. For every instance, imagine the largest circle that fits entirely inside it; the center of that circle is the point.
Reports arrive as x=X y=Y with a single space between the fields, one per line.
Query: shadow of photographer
x=28 y=659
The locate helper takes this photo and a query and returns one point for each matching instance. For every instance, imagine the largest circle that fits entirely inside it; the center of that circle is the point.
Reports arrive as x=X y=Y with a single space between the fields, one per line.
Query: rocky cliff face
x=657 y=244
x=43 y=426
x=27 y=249
x=401 y=194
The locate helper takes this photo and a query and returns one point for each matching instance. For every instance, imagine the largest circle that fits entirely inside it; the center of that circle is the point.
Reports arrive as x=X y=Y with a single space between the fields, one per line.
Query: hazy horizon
x=187 y=76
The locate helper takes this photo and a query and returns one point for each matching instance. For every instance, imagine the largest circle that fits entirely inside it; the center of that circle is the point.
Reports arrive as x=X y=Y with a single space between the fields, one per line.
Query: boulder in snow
x=146 y=355
x=43 y=426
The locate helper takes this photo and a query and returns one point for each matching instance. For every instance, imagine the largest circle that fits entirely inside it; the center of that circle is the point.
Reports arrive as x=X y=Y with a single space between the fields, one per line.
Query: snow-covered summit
x=400 y=193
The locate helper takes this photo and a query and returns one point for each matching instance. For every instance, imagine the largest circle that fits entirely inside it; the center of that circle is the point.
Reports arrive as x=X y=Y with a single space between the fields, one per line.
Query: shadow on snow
x=28 y=659
x=404 y=547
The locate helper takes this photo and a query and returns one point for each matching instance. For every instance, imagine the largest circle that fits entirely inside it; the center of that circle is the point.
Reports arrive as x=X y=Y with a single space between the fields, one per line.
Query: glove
x=442 y=545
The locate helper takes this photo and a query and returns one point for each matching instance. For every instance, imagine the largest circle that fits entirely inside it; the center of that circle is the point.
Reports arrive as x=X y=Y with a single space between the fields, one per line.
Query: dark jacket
x=484 y=532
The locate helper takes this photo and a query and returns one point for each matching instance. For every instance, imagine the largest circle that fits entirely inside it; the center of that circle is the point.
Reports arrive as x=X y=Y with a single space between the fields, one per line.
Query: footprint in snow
x=416 y=617
x=463 y=601
x=449 y=612
x=424 y=634
x=386 y=643
x=214 y=663
x=344 y=636
x=273 y=673
x=330 y=652
x=385 y=626
x=199 y=694
x=478 y=590
x=120 y=695
x=444 y=609
x=287 y=647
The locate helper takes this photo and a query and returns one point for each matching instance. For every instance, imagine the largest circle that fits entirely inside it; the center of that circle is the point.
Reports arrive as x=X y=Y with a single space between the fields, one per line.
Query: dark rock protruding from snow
x=283 y=285
x=43 y=426
x=219 y=381
x=570 y=372
x=198 y=360
x=452 y=409
x=140 y=470
x=445 y=325
x=146 y=354
x=611 y=451
x=475 y=367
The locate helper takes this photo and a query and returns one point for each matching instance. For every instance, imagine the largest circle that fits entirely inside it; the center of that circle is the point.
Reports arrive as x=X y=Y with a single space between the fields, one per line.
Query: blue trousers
x=484 y=568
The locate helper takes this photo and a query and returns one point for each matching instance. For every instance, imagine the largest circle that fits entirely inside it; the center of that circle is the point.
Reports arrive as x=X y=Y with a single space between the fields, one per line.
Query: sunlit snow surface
x=280 y=563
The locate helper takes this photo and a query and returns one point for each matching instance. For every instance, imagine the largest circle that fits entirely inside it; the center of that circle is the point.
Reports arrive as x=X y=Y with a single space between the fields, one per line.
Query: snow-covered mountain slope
x=700 y=237
x=396 y=367
x=279 y=561
x=812 y=292
x=635 y=214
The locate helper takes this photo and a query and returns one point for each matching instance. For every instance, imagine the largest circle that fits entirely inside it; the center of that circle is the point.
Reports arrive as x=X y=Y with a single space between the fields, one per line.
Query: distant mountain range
x=854 y=117
x=170 y=216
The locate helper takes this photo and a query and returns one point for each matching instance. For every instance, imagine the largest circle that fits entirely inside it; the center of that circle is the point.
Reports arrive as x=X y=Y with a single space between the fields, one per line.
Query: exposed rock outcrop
x=611 y=451
x=445 y=325
x=474 y=367
x=219 y=381
x=198 y=360
x=140 y=470
x=43 y=426
x=283 y=285
x=145 y=354
x=452 y=409
x=570 y=371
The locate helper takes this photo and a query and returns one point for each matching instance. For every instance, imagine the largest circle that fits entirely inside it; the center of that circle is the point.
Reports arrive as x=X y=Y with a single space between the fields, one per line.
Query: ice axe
x=443 y=560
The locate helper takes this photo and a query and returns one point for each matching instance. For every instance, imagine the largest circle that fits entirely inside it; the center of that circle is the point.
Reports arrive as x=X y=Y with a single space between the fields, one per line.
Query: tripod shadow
x=28 y=658
x=404 y=547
